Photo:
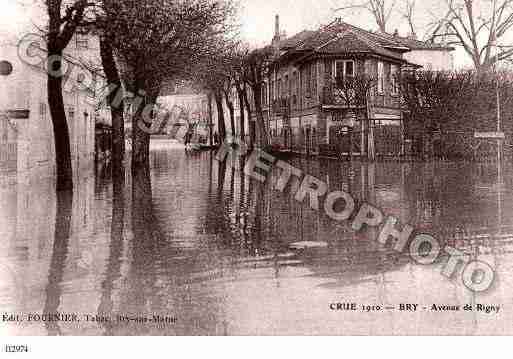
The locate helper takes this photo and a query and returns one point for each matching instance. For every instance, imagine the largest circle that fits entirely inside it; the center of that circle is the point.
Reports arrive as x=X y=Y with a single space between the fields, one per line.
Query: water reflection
x=113 y=267
x=53 y=289
x=192 y=239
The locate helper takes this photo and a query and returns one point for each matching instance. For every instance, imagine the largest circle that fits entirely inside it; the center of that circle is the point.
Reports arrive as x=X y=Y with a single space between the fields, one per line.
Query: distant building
x=430 y=55
x=184 y=110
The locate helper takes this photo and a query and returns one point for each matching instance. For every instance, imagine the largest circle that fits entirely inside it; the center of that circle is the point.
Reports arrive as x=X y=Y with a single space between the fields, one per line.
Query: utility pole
x=499 y=141
x=498 y=105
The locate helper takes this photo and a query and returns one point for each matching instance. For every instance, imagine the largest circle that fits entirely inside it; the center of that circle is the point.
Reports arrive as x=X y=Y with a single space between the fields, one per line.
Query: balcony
x=333 y=97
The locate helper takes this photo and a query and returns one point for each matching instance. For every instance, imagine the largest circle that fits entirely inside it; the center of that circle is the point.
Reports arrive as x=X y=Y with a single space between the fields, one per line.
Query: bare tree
x=63 y=22
x=255 y=69
x=381 y=10
x=117 y=109
x=211 y=77
x=409 y=15
x=353 y=92
x=228 y=96
x=478 y=26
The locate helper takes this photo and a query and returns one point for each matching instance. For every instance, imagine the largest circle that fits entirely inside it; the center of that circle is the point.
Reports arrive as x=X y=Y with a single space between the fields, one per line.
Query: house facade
x=26 y=137
x=307 y=113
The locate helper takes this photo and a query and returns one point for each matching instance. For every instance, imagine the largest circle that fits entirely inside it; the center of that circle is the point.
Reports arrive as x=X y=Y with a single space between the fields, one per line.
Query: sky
x=256 y=18
x=12 y=18
x=295 y=15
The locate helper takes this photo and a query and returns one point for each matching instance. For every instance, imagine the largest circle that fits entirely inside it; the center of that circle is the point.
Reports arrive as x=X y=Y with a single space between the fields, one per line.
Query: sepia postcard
x=255 y=168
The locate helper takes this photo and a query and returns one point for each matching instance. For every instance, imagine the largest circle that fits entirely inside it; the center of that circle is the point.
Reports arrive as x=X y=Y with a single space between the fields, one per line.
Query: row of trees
x=238 y=72
x=144 y=45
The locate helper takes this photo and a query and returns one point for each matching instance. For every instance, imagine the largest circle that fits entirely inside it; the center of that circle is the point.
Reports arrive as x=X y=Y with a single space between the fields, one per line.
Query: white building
x=26 y=132
x=432 y=56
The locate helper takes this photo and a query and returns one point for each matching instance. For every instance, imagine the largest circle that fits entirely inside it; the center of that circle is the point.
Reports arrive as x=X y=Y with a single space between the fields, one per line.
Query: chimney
x=396 y=33
x=277 y=27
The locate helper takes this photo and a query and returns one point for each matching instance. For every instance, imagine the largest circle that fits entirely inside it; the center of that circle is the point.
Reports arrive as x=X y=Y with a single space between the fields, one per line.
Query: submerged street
x=206 y=251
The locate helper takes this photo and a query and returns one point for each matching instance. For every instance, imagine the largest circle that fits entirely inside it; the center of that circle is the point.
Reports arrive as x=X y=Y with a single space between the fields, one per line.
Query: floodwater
x=196 y=248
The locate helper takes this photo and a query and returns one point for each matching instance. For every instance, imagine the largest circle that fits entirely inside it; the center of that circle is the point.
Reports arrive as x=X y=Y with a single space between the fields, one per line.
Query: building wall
x=436 y=60
x=311 y=123
x=26 y=89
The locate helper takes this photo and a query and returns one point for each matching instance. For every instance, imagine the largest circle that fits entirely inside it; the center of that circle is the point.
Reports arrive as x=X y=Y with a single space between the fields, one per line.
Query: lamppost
x=499 y=140
x=498 y=99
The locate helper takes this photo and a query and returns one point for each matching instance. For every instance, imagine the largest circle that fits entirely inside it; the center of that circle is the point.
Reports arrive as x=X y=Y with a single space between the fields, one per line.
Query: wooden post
x=351 y=144
x=370 y=148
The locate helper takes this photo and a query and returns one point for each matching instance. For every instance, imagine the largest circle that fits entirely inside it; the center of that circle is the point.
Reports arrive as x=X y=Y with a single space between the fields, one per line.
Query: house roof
x=340 y=37
x=415 y=44
x=293 y=41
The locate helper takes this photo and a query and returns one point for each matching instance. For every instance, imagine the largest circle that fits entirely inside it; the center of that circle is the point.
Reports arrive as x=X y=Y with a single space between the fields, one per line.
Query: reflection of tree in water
x=113 y=270
x=145 y=244
x=163 y=278
x=59 y=254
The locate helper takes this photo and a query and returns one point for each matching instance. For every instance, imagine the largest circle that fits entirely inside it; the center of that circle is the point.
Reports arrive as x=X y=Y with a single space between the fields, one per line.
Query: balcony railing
x=331 y=96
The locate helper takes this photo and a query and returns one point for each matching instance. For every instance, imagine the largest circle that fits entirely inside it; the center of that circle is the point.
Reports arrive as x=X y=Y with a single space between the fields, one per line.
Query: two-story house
x=307 y=113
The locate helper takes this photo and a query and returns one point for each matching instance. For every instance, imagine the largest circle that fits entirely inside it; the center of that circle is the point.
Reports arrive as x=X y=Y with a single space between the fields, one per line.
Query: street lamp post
x=499 y=140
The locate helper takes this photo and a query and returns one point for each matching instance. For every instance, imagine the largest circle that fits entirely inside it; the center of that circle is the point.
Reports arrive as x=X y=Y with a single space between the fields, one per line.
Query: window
x=293 y=84
x=82 y=42
x=42 y=111
x=349 y=68
x=344 y=68
x=381 y=77
x=394 y=73
x=71 y=113
x=295 y=87
x=308 y=81
x=314 y=79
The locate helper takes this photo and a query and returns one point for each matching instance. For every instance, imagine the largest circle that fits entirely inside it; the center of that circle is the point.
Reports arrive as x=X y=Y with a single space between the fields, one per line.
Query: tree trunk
x=118 y=121
x=242 y=131
x=141 y=134
x=262 y=127
x=210 y=119
x=252 y=137
x=220 y=116
x=60 y=125
x=231 y=111
x=60 y=32
x=63 y=220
